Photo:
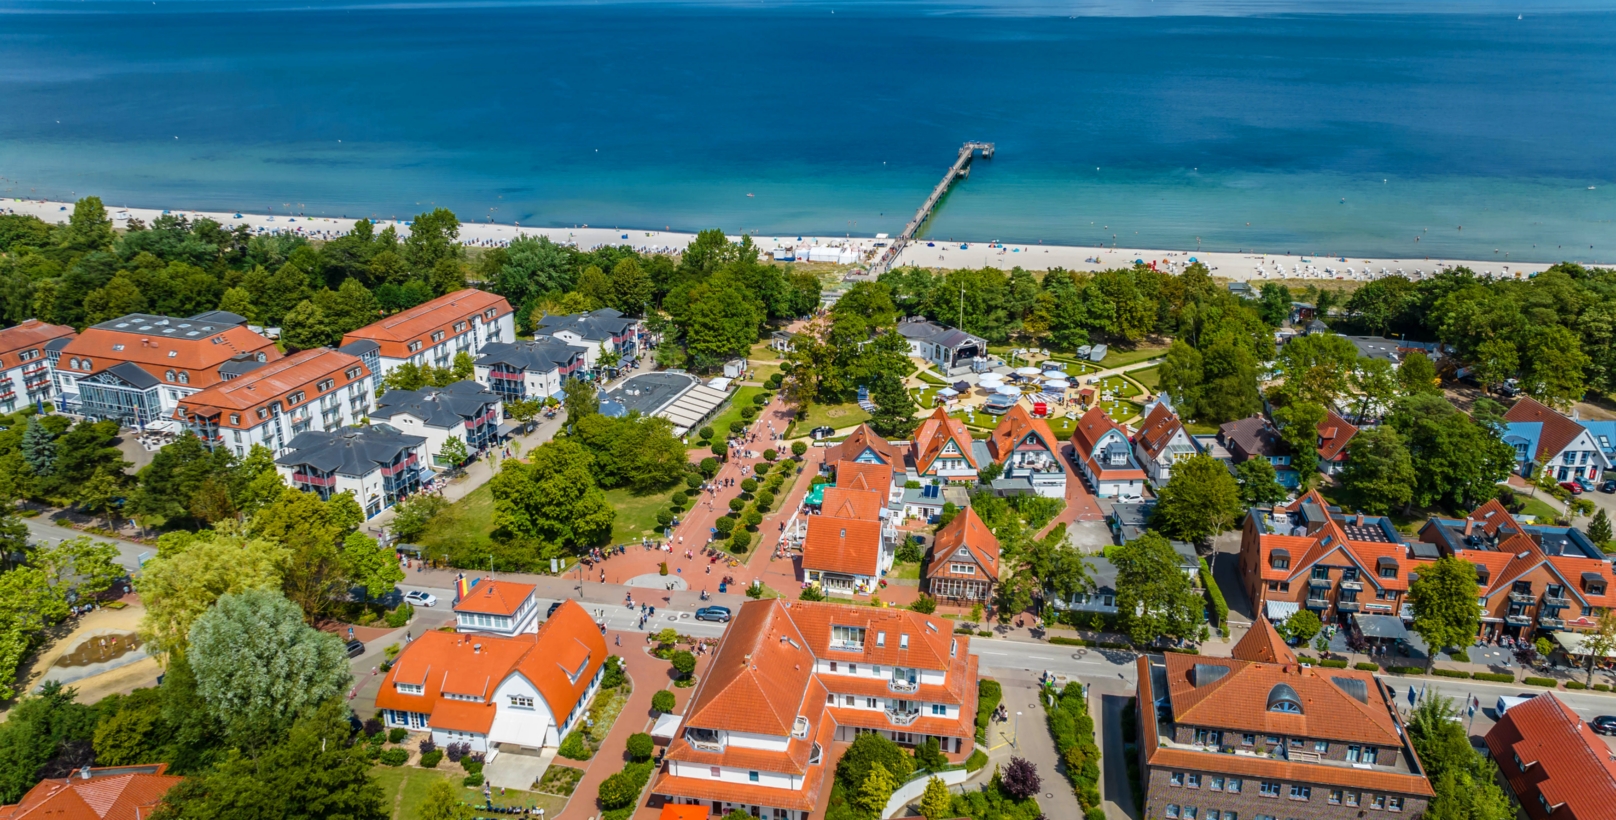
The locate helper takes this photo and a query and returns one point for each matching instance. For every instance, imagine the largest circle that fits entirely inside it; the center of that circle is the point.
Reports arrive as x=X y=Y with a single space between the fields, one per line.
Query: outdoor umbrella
x=990 y=378
x=1056 y=374
x=1057 y=384
x=1028 y=371
x=1009 y=390
x=948 y=392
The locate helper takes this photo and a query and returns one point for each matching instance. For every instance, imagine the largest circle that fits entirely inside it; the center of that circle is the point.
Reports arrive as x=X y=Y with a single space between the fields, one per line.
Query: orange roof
x=1015 y=428
x=1158 y=429
x=931 y=643
x=861 y=440
x=105 y=345
x=1091 y=429
x=1334 y=435
x=1204 y=694
x=846 y=545
x=113 y=793
x=855 y=476
x=300 y=372
x=1565 y=762
x=759 y=677
x=446 y=663
x=31 y=335
x=683 y=811
x=1328 y=539
x=1263 y=644
x=864 y=505
x=490 y=597
x=395 y=333
x=1558 y=431
x=746 y=793
x=965 y=532
x=934 y=434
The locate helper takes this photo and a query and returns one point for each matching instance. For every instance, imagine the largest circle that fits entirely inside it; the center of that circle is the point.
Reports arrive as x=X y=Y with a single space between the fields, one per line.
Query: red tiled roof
x=861 y=439
x=934 y=434
x=1565 y=762
x=1558 y=431
x=1090 y=430
x=1014 y=429
x=104 y=796
x=854 y=476
x=1263 y=644
x=394 y=333
x=864 y=505
x=1238 y=701
x=683 y=811
x=32 y=334
x=929 y=644
x=965 y=530
x=1334 y=434
x=847 y=545
x=1329 y=539
x=301 y=371
x=1276 y=769
x=200 y=357
x=746 y=793
x=759 y=677
x=491 y=597
x=1158 y=429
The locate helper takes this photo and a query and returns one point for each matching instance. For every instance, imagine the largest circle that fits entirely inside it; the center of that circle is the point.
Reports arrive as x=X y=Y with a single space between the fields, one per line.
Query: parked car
x=416 y=597
x=1609 y=486
x=1586 y=485
x=553 y=607
x=713 y=613
x=356 y=648
x=1604 y=725
x=1571 y=487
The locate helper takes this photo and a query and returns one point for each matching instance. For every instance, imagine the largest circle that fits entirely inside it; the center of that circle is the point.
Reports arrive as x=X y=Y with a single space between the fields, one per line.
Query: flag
x=1474 y=705
x=1411 y=696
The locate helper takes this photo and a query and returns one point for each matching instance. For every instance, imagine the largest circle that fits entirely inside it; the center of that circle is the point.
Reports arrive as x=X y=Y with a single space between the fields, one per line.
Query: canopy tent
x=961 y=387
x=1384 y=627
x=1009 y=390
x=1278 y=611
x=990 y=375
x=1057 y=384
x=1027 y=371
x=667 y=725
x=1574 y=643
x=948 y=392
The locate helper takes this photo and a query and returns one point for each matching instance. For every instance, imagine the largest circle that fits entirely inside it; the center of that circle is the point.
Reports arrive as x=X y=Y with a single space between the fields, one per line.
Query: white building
x=466 y=410
x=1162 y=442
x=493 y=607
x=530 y=369
x=432 y=333
x=378 y=464
x=271 y=403
x=599 y=331
x=26 y=362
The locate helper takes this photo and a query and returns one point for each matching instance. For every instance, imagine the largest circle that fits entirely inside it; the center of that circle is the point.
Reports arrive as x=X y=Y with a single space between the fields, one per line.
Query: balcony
x=704 y=746
x=1356 y=586
x=1556 y=601
x=316 y=480
x=1318 y=603
x=399 y=467
x=902 y=718
x=904 y=686
x=1522 y=598
x=1551 y=623
x=1319 y=583
x=1347 y=606
x=1518 y=620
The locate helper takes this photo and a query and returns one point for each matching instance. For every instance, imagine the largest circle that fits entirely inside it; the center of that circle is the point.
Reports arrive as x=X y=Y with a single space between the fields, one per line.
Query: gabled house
x=1334 y=436
x=493 y=607
x=529 y=369
x=96 y=793
x=844 y=550
x=1308 y=554
x=963 y=566
x=464 y=410
x=951 y=351
x=1544 y=439
x=1105 y=456
x=598 y=332
x=865 y=446
x=1553 y=764
x=1162 y=442
x=1030 y=454
x=943 y=449
x=498 y=693
x=857 y=475
x=1256 y=437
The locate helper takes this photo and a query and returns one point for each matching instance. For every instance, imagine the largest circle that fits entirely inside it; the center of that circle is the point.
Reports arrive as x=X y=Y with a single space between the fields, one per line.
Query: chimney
x=84 y=773
x=476 y=648
x=1360 y=519
x=1470 y=526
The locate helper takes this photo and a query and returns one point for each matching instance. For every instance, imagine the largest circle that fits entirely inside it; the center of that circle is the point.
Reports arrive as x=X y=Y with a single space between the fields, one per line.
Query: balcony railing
x=1319 y=582
x=704 y=746
x=399 y=467
x=902 y=718
x=319 y=481
x=1522 y=598
x=1551 y=623
x=1347 y=606
x=903 y=686
x=1352 y=585
x=1318 y=603
x=1556 y=600
x=1518 y=620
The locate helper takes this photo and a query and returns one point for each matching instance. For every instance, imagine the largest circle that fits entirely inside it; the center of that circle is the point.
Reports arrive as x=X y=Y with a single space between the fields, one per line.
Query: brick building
x=1554 y=766
x=1257 y=736
x=963 y=567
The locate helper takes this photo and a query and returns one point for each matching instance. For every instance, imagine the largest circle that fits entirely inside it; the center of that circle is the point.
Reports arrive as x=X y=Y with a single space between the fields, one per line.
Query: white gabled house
x=1162 y=442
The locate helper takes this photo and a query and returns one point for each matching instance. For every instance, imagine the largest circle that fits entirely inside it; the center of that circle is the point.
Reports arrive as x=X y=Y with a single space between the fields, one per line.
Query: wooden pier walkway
x=959 y=170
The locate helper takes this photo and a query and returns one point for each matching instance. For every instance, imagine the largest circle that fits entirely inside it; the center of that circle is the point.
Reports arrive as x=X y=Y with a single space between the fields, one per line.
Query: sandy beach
x=924 y=253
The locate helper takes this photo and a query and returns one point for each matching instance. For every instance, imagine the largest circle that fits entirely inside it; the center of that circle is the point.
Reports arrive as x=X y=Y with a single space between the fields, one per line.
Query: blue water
x=1160 y=124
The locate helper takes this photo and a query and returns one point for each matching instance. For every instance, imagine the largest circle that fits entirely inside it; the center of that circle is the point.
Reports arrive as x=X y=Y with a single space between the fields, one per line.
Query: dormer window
x=1387 y=567
x=169 y=376
x=1279 y=559
x=880 y=639
x=185 y=378
x=847 y=637
x=903 y=641
x=799 y=728
x=410 y=688
x=1282 y=698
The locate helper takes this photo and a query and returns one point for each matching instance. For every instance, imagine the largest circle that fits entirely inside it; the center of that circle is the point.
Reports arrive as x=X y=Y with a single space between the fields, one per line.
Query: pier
x=959 y=170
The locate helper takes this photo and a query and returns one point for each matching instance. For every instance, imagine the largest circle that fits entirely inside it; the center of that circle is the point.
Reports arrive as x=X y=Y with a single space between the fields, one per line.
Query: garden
x=615 y=687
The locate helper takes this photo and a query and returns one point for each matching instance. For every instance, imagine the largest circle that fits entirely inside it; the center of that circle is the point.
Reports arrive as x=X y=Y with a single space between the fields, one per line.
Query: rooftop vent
x=1207 y=673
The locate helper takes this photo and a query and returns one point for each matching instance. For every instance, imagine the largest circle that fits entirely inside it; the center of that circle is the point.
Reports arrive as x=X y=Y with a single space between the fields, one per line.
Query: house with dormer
x=1030 y=454
x=963 y=567
x=1334 y=436
x=492 y=607
x=944 y=450
x=496 y=693
x=1545 y=440
x=1553 y=764
x=850 y=544
x=1105 y=456
x=1162 y=442
x=1310 y=555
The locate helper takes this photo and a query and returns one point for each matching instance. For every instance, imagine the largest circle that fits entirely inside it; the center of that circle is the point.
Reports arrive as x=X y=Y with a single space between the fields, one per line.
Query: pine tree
x=894 y=415
x=1599 y=528
x=38 y=447
x=936 y=803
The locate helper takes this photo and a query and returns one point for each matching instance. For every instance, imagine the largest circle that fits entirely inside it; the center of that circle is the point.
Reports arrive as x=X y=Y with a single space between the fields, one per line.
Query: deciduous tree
x=1199 y=501
x=1444 y=602
x=1155 y=599
x=1379 y=473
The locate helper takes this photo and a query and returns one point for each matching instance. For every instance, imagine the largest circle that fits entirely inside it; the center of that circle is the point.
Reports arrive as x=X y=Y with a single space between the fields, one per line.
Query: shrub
x=1460 y=655
x=662 y=701
x=664 y=518
x=762 y=468
x=748 y=413
x=752 y=518
x=706 y=432
x=720 y=448
x=1021 y=779
x=1576 y=684
x=431 y=759
x=709 y=466
x=573 y=747
x=737 y=426
x=457 y=751
x=684 y=663
x=395 y=757
x=1061 y=640
x=770 y=455
x=760 y=399
x=427 y=746
x=739 y=541
x=984 y=633
x=977 y=760
x=1406 y=670
x=1220 y=606
x=925 y=604
x=622 y=790
x=798 y=448
x=613 y=677
x=400 y=615
x=1333 y=663
x=811 y=594
x=374 y=727
x=988 y=695
x=1601 y=687
x=640 y=746
x=774 y=381
x=765 y=499
x=1367 y=667
x=1495 y=677
x=748 y=485
x=1450 y=673
x=1540 y=681
x=1072 y=728
x=397 y=734
x=736 y=505
x=472 y=781
x=725 y=525
x=754 y=590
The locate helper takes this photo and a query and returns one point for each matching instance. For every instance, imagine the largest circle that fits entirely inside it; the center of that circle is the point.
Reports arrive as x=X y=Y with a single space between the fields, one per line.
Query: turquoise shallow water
x=1156 y=123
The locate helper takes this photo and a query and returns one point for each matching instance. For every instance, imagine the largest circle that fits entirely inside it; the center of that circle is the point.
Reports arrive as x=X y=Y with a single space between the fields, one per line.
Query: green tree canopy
x=1444 y=602
x=1199 y=501
x=1155 y=598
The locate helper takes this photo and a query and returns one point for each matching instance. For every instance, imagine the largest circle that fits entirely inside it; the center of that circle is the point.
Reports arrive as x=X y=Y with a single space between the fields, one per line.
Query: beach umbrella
x=1057 y=384
x=1009 y=390
x=1056 y=374
x=1028 y=371
x=948 y=392
x=987 y=378
x=962 y=386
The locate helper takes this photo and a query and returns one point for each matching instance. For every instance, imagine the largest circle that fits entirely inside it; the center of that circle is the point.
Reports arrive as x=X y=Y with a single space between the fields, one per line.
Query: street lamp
x=1015 y=741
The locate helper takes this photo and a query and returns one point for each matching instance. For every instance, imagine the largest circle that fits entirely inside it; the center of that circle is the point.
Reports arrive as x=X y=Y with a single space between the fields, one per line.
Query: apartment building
x=465 y=409
x=270 y=404
x=598 y=332
x=136 y=368
x=26 y=362
x=789 y=678
x=377 y=463
x=1030 y=453
x=529 y=369
x=1533 y=578
x=432 y=333
x=1258 y=736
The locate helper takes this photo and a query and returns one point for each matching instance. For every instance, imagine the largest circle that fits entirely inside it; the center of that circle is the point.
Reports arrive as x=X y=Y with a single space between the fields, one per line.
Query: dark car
x=356 y=648
x=1604 y=724
x=1571 y=487
x=553 y=607
x=713 y=613
x=1609 y=486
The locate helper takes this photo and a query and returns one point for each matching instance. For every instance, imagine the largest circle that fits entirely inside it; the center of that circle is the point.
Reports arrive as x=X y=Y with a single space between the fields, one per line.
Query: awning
x=1572 y=643
x=508 y=428
x=1386 y=627
x=1278 y=611
x=667 y=725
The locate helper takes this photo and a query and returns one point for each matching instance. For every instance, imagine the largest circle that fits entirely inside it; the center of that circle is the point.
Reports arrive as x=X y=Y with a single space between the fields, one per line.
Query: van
x=1506 y=703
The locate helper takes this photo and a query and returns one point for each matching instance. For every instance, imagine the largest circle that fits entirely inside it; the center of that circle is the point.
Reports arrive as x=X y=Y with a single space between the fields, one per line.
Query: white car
x=416 y=597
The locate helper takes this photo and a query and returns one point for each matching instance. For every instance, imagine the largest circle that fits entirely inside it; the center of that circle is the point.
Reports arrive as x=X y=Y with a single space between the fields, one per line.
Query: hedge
x=1450 y=673
x=1183 y=650
x=1220 y=607
x=1406 y=670
x=1540 y=682
x=1572 y=684
x=1333 y=663
x=1494 y=677
x=1073 y=730
x=1367 y=667
x=988 y=695
x=1601 y=687
x=395 y=757
x=977 y=760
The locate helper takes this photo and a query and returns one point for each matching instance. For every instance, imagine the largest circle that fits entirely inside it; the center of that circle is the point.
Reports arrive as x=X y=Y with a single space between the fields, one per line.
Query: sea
x=1480 y=128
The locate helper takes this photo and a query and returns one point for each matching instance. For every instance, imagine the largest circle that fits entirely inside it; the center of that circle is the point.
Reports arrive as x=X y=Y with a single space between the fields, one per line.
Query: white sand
x=1241 y=266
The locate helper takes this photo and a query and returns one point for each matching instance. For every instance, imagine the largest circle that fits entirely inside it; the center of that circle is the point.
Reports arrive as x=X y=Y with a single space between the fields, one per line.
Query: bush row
x=1220 y=607
x=988 y=695
x=1073 y=730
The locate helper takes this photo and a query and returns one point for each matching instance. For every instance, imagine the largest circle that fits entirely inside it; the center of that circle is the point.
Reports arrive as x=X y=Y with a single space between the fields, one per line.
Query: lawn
x=1117 y=357
x=1074 y=367
x=636 y=514
x=1149 y=377
x=1536 y=506
x=839 y=416
x=466 y=524
x=1121 y=411
x=927 y=376
x=404 y=790
x=742 y=397
x=903 y=571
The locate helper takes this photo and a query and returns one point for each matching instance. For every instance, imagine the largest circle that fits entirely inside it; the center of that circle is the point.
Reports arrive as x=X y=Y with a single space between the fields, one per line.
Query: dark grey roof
x=58 y=343
x=131 y=373
x=1254 y=436
x=170 y=326
x=437 y=406
x=354 y=451
x=925 y=330
x=646 y=393
x=541 y=355
x=239 y=364
x=1381 y=626
x=223 y=317
x=595 y=326
x=360 y=347
x=1131 y=520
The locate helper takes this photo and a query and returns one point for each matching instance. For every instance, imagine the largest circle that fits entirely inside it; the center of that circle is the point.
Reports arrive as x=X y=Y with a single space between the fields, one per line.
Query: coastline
x=1238 y=266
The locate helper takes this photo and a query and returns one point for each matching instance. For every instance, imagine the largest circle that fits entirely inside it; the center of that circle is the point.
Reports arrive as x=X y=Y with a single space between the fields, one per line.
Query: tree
x=1455 y=459
x=1021 y=779
x=1379 y=474
x=28 y=604
x=1259 y=483
x=88 y=229
x=662 y=701
x=876 y=789
x=259 y=666
x=1155 y=598
x=1444 y=602
x=936 y=803
x=864 y=754
x=1199 y=501
x=552 y=499
x=684 y=663
x=580 y=399
x=129 y=736
x=630 y=287
x=306 y=326
x=1599 y=529
x=1181 y=375
x=1316 y=368
x=454 y=452
x=1554 y=366
x=640 y=746
x=38 y=448
x=1495 y=361
x=412 y=515
x=1600 y=643
x=44 y=735
x=313 y=576
x=1229 y=388
x=368 y=564
x=1301 y=625
x=1465 y=784
x=894 y=415
x=1376 y=383
x=1416 y=374
x=432 y=239
x=78 y=567
x=443 y=803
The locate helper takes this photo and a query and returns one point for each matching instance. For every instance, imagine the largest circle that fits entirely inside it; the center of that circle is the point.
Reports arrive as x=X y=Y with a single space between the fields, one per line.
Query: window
x=415 y=345
x=1229 y=815
x=833 y=666
x=460 y=327
x=1301 y=792
x=1189 y=813
x=1321 y=746
x=173 y=353
x=235 y=418
x=846 y=637
x=752 y=777
x=1378 y=802
x=1216 y=784
x=1248 y=739
x=1234 y=785
x=962 y=569
x=852 y=669
x=324 y=385
x=409 y=688
x=880 y=639
x=1212 y=814
x=263 y=412
x=903 y=641
x=169 y=376
x=939 y=709
x=1321 y=573
x=851 y=700
x=73 y=363
x=1335 y=797
x=185 y=378
x=1388 y=571
x=521 y=701
x=715 y=771
x=295 y=398
x=1269 y=789
x=1208 y=737
x=1193 y=781
x=1296 y=743
x=1281 y=562
x=1370 y=753
x=1394 y=804
x=830 y=698
x=1353 y=753
x=437 y=335
x=1176 y=778
x=869 y=703
x=1172 y=809
x=353 y=373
